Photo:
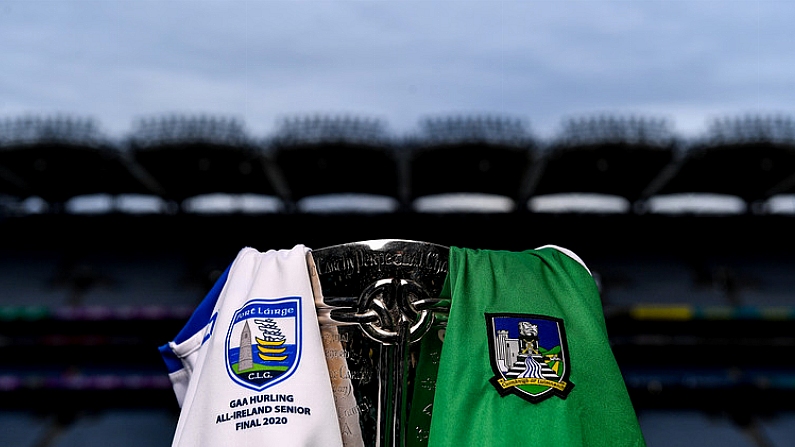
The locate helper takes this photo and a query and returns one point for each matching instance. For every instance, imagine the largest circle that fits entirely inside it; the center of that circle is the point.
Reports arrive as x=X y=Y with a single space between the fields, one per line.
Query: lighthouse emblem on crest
x=263 y=344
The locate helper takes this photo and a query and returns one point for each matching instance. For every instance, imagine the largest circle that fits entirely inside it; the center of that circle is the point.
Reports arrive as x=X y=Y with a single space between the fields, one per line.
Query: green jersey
x=526 y=358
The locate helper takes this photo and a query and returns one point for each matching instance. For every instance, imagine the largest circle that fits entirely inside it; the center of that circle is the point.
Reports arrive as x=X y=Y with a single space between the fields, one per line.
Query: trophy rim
x=380 y=244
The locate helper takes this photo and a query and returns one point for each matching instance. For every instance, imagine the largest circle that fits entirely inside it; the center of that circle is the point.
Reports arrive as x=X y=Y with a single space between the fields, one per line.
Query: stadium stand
x=350 y=158
x=469 y=156
x=605 y=155
x=194 y=156
x=699 y=306
x=152 y=428
x=750 y=157
x=699 y=428
x=59 y=158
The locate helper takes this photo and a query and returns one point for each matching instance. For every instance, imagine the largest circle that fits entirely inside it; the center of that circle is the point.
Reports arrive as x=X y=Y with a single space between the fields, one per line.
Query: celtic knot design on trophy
x=388 y=306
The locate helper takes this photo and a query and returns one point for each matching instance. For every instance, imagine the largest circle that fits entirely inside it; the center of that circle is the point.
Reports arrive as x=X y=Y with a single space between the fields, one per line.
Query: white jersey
x=248 y=368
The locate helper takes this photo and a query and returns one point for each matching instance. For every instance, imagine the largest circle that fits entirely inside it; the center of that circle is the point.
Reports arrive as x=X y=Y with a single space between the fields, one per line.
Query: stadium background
x=109 y=243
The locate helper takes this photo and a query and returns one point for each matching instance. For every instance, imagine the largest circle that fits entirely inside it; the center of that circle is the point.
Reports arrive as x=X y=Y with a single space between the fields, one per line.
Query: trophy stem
x=394 y=383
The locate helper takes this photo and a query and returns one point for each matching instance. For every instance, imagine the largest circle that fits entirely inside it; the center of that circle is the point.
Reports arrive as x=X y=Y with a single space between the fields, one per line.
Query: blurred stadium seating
x=105 y=251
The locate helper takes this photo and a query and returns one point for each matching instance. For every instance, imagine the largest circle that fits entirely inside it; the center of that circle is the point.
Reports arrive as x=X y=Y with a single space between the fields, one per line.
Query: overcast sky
x=399 y=61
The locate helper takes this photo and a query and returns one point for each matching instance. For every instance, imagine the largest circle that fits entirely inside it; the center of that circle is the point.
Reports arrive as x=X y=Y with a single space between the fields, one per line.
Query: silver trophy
x=382 y=324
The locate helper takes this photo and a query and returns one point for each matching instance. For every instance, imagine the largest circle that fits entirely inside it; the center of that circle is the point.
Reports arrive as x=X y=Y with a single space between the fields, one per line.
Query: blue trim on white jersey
x=201 y=317
x=173 y=363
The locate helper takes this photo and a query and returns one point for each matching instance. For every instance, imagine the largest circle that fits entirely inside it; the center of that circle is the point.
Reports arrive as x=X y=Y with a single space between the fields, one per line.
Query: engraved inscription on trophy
x=358 y=260
x=343 y=382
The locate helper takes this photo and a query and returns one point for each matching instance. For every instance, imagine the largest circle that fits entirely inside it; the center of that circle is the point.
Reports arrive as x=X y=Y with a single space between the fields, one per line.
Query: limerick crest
x=529 y=356
x=263 y=344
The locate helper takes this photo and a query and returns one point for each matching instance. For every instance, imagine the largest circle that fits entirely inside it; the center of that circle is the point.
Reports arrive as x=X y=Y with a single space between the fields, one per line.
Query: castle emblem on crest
x=529 y=356
x=263 y=344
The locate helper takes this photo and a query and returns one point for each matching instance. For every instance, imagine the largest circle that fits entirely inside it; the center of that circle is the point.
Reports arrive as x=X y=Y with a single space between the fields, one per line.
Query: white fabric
x=265 y=297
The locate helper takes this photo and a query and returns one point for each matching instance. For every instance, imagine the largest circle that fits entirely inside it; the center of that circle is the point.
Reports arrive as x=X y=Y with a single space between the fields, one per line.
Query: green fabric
x=468 y=410
x=424 y=385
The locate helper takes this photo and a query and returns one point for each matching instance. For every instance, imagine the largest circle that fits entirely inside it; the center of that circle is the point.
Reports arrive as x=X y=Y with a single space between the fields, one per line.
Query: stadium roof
x=633 y=160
